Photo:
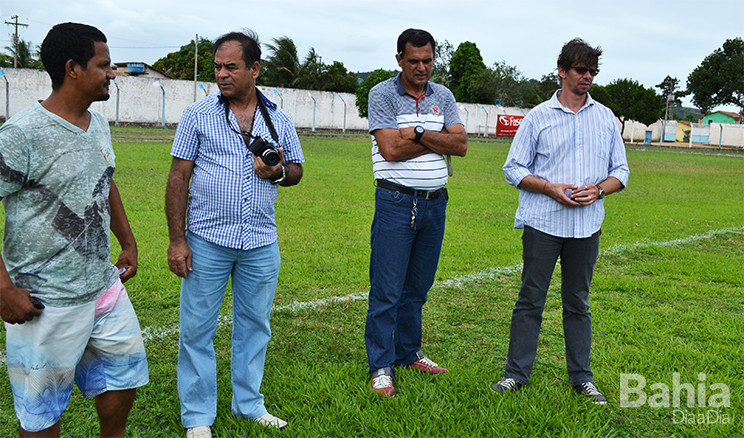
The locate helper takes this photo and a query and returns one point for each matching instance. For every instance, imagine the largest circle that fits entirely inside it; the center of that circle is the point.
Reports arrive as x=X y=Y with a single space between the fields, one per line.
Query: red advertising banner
x=506 y=126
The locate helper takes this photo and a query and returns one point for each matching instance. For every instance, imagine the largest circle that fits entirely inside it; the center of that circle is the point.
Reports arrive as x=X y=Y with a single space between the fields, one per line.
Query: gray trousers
x=540 y=251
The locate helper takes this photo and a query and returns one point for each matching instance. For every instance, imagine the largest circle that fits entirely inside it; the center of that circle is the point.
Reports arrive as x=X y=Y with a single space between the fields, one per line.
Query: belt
x=426 y=194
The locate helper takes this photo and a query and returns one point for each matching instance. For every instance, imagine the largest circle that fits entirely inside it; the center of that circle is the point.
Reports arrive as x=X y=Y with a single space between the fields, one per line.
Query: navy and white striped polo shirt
x=391 y=107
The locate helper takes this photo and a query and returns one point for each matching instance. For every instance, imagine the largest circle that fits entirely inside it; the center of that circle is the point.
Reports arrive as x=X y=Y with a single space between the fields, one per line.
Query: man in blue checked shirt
x=566 y=157
x=231 y=231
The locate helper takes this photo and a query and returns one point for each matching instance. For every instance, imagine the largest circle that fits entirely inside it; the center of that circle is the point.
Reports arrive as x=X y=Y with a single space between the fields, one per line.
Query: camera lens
x=271 y=157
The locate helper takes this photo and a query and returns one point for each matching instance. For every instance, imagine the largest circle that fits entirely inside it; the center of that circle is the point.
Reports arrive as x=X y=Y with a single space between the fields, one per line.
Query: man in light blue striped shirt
x=566 y=157
x=231 y=231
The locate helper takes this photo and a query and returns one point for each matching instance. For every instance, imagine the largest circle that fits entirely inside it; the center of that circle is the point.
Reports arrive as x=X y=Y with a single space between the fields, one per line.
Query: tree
x=670 y=92
x=543 y=90
x=442 y=58
x=630 y=100
x=362 y=91
x=719 y=80
x=310 y=71
x=283 y=64
x=670 y=87
x=5 y=61
x=502 y=84
x=180 y=64
x=465 y=65
x=25 y=56
x=314 y=75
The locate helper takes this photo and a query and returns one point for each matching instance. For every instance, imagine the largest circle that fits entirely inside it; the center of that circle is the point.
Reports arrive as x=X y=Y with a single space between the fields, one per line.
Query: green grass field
x=667 y=302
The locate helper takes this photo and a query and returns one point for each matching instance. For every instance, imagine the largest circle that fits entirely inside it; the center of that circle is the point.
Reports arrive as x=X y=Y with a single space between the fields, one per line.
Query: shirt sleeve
x=186 y=141
x=451 y=115
x=381 y=111
x=521 y=154
x=14 y=161
x=618 y=163
x=289 y=140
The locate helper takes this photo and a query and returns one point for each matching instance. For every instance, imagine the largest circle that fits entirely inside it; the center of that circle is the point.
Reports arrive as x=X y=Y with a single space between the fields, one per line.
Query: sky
x=644 y=40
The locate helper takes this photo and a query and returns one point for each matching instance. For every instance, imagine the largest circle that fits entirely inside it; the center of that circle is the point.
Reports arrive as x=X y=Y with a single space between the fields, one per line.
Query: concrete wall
x=727 y=134
x=140 y=101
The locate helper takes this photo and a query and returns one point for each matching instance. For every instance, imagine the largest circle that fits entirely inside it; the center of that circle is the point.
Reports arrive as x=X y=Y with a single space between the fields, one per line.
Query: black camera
x=268 y=153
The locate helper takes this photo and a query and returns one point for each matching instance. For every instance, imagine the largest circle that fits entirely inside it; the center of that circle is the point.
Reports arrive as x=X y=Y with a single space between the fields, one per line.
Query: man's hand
x=128 y=260
x=263 y=171
x=585 y=195
x=409 y=133
x=179 y=257
x=558 y=192
x=15 y=305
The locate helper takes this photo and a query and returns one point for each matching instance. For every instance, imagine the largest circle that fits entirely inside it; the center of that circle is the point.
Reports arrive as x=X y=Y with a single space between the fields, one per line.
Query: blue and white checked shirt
x=229 y=205
x=557 y=145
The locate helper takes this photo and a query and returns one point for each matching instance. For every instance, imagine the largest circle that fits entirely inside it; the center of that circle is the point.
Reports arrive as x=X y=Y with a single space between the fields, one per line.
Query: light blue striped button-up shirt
x=229 y=205
x=557 y=145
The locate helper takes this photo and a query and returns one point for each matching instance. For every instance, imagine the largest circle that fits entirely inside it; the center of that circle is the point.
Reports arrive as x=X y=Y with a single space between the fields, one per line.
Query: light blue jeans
x=254 y=277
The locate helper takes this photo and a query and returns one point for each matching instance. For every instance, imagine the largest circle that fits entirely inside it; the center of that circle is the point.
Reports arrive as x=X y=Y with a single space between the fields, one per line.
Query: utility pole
x=15 y=37
x=196 y=62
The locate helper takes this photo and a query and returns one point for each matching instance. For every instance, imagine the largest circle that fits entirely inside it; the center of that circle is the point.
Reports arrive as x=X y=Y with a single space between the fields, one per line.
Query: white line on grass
x=150 y=334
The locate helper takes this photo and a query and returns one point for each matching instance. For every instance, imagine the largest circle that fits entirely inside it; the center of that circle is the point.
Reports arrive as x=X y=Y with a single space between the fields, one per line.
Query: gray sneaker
x=507 y=384
x=590 y=391
x=199 y=432
x=269 y=420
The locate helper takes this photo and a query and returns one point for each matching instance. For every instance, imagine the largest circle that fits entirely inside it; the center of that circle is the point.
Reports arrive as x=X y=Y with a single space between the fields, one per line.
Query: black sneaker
x=506 y=385
x=589 y=390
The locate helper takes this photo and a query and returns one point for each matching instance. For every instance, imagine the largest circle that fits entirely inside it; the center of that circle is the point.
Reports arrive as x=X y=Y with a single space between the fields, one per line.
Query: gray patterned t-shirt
x=54 y=181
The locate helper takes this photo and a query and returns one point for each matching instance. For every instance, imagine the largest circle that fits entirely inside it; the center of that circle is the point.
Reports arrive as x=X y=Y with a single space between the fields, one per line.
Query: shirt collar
x=269 y=104
x=428 y=90
x=555 y=103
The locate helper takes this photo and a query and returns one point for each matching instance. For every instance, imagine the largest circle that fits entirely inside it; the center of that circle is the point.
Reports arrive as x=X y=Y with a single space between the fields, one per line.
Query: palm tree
x=25 y=57
x=283 y=64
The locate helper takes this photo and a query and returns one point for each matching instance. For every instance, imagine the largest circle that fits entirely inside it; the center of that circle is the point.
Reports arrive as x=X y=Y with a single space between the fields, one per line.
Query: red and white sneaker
x=382 y=382
x=426 y=365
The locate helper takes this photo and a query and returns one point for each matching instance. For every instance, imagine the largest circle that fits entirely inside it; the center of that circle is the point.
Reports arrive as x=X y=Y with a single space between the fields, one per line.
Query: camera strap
x=264 y=113
x=267 y=119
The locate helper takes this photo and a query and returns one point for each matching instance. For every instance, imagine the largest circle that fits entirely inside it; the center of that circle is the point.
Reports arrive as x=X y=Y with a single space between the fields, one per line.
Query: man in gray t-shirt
x=69 y=319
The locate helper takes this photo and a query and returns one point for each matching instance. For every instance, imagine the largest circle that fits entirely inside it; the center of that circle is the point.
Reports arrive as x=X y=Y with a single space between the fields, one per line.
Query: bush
x=362 y=91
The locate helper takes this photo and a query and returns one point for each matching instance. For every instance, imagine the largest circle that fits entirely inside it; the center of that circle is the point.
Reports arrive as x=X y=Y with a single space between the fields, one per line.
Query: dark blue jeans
x=540 y=253
x=402 y=267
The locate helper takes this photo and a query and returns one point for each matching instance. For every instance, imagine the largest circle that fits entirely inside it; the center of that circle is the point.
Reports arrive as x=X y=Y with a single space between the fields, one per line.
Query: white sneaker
x=199 y=432
x=269 y=420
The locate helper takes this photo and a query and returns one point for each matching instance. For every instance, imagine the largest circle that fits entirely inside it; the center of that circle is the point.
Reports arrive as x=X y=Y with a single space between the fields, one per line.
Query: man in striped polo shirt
x=567 y=155
x=414 y=123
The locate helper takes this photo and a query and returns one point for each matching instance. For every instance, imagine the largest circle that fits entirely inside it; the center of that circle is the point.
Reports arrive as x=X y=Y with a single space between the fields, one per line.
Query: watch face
x=419 y=130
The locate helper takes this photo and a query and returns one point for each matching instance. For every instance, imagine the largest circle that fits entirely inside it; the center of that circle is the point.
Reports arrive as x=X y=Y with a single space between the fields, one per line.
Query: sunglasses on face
x=582 y=70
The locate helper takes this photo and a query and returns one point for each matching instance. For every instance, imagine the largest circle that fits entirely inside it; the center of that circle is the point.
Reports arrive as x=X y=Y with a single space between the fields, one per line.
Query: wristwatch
x=601 y=192
x=281 y=179
x=419 y=130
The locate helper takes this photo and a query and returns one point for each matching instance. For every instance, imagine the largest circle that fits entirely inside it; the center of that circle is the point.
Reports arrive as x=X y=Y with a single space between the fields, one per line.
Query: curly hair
x=67 y=41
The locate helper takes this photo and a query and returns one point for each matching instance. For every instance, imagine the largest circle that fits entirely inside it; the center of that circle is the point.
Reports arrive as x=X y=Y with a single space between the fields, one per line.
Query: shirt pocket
x=600 y=149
